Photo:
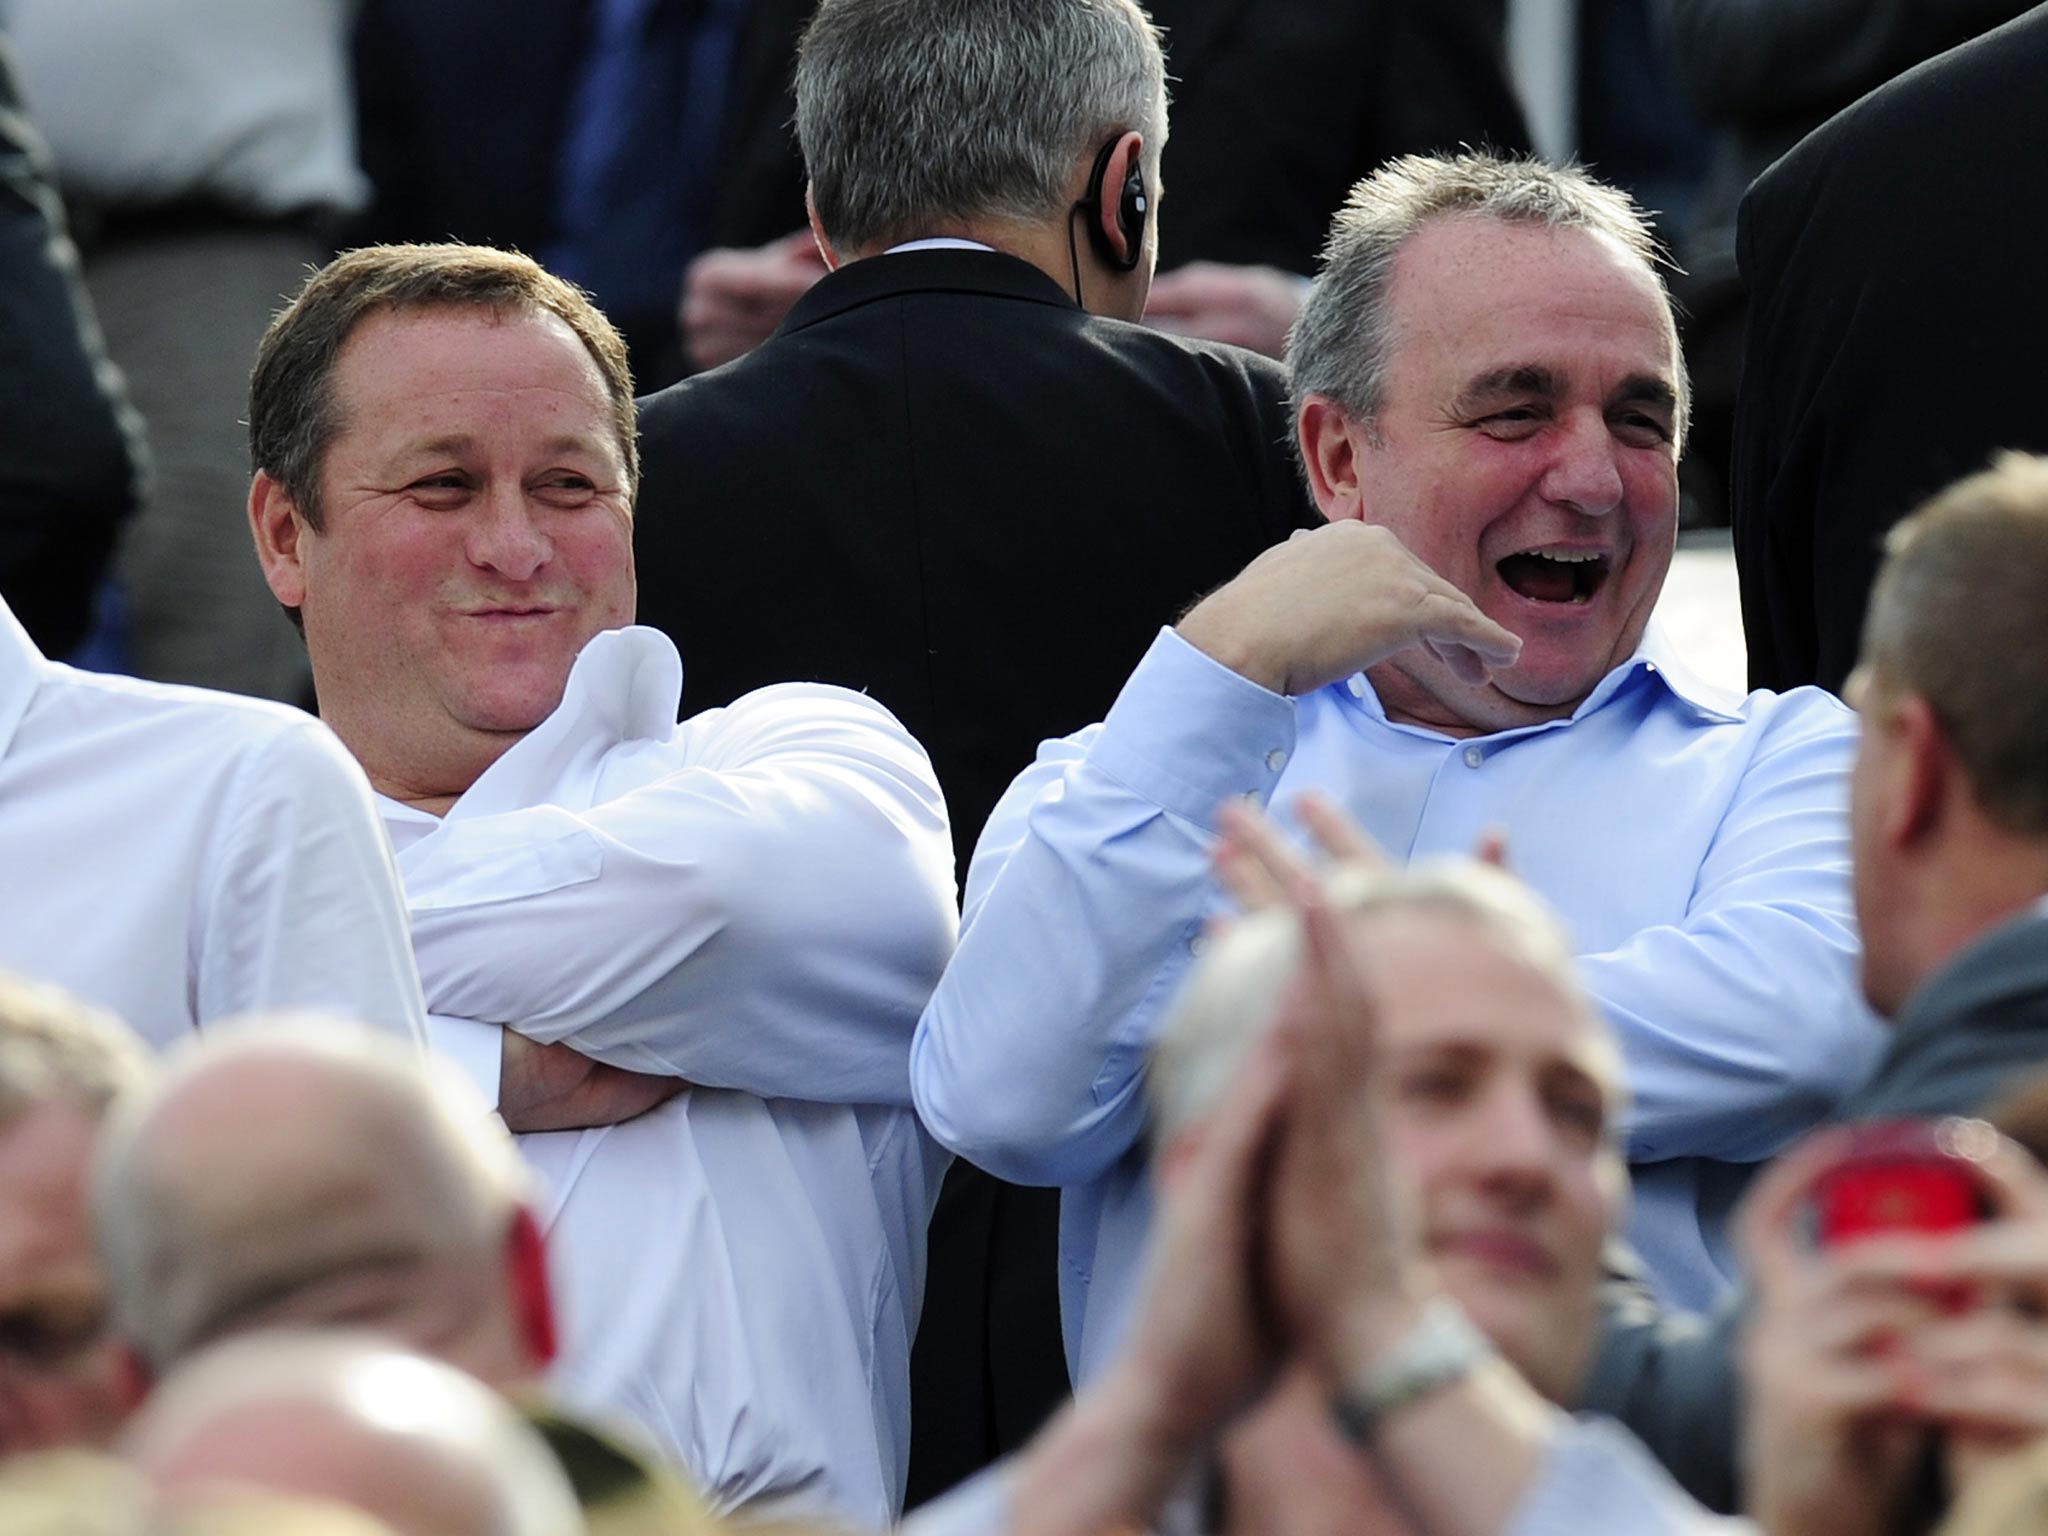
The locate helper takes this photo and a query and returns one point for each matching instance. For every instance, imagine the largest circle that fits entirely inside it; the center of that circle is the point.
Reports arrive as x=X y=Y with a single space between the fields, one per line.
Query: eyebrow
x=459 y=442
x=1646 y=389
x=1517 y=379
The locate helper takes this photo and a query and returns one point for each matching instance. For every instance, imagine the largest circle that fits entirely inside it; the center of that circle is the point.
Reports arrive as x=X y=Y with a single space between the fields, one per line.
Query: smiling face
x=476 y=532
x=1500 y=1093
x=1525 y=448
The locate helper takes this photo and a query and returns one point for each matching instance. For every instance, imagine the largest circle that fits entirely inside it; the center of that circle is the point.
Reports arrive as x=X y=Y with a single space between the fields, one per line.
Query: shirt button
x=1198 y=945
x=1474 y=756
x=1276 y=759
x=1357 y=687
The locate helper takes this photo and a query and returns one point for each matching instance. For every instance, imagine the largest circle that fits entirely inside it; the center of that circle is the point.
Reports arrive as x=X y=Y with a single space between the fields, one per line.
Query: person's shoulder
x=1217 y=360
x=172 y=709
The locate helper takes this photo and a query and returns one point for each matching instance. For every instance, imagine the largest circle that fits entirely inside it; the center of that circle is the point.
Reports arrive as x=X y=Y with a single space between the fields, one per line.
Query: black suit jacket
x=1896 y=333
x=942 y=482
x=1280 y=105
x=1970 y=1035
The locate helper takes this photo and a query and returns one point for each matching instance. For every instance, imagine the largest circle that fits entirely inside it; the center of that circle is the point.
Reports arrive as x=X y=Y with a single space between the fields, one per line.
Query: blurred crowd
x=879 y=764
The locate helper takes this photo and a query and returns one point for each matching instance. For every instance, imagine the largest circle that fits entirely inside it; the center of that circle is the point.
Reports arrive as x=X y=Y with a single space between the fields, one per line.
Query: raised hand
x=1336 y=600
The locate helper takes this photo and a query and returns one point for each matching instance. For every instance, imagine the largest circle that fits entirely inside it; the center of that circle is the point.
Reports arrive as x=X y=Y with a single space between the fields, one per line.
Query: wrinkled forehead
x=1449 y=979
x=1525 y=291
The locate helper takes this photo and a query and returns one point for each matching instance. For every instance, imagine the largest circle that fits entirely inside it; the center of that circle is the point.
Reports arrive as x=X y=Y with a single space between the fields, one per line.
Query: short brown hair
x=293 y=417
x=1956 y=618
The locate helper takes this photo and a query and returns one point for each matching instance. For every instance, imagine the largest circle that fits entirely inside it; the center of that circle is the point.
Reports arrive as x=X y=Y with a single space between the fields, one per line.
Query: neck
x=432 y=787
x=1979 y=883
x=1478 y=712
x=1044 y=246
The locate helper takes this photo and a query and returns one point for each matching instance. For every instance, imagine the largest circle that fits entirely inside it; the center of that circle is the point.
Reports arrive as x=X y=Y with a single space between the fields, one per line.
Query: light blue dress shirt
x=1696 y=844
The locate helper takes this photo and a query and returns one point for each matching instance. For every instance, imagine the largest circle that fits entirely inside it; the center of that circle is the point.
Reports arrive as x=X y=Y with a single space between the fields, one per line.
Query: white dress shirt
x=757 y=900
x=177 y=856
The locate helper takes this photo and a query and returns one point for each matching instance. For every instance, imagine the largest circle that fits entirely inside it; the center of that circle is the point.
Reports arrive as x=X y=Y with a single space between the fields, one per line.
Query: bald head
x=422 y=1447
x=317 y=1173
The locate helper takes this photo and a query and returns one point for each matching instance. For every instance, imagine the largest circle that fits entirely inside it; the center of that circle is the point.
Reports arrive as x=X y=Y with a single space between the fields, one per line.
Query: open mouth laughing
x=1554 y=575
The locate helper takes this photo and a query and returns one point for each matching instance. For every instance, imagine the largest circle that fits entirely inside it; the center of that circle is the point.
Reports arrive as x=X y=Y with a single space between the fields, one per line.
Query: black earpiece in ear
x=1132 y=205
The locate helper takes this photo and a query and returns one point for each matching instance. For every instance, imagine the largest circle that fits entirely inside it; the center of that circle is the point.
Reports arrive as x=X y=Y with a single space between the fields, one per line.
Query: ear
x=280 y=530
x=133 y=1379
x=1926 y=775
x=533 y=1301
x=1330 y=450
x=1128 y=156
x=825 y=250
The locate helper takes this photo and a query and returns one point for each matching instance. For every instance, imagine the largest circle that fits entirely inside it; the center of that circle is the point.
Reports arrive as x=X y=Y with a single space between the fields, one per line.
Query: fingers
x=1451 y=621
x=1340 y=839
x=1492 y=847
x=1773 y=1249
x=1255 y=861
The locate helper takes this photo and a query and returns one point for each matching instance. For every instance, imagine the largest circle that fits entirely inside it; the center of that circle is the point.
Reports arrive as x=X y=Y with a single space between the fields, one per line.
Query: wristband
x=1443 y=1347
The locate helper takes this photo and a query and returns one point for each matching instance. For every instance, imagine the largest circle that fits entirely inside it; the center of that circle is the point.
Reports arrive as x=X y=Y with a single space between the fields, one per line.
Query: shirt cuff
x=477 y=1049
x=1187 y=733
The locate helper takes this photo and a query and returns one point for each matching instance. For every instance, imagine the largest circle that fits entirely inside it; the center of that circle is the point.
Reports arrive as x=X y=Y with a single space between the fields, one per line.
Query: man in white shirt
x=176 y=856
x=729 y=925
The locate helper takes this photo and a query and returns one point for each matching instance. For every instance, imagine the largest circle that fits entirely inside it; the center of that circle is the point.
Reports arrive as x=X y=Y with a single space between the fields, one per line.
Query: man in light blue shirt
x=1490 y=405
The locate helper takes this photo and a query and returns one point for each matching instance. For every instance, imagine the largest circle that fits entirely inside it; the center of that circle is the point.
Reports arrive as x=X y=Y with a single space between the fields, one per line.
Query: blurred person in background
x=1949 y=819
x=412 y=1442
x=206 y=150
x=61 y=1065
x=613 y=140
x=280 y=1177
x=72 y=463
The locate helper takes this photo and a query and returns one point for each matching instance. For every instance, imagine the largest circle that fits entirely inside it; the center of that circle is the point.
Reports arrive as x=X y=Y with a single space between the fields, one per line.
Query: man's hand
x=558 y=1088
x=1337 y=600
x=1201 y=1348
x=1852 y=1360
x=1245 y=306
x=734 y=299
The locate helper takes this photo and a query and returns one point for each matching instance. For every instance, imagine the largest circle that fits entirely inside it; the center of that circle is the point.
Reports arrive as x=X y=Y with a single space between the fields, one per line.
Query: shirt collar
x=1654 y=659
x=22 y=671
x=938 y=243
x=626 y=685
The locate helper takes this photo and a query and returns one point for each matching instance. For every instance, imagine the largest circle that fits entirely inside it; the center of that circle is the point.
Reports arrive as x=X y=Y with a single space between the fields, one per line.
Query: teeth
x=1564 y=556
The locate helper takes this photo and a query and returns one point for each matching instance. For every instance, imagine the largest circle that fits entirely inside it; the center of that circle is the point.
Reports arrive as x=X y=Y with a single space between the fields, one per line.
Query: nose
x=1585 y=473
x=505 y=535
x=1516 y=1157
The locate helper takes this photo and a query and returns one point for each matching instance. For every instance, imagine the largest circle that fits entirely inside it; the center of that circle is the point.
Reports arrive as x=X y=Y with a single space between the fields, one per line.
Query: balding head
x=311 y=1172
x=422 y=1447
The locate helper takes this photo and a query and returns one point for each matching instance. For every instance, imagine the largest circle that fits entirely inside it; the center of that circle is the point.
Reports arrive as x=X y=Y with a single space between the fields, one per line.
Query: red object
x=1898 y=1176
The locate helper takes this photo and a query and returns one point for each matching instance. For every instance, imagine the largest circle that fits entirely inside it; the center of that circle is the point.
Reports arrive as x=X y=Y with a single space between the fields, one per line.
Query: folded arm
x=764 y=907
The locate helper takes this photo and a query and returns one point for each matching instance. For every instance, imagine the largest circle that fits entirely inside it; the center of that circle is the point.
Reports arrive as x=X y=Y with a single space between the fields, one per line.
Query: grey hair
x=164 y=1279
x=1237 y=987
x=917 y=113
x=422 y=1418
x=1342 y=339
x=54 y=1047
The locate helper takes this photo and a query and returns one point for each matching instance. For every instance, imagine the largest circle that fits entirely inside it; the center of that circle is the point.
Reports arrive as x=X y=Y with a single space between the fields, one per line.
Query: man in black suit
x=1895 y=336
x=1949 y=820
x=610 y=139
x=962 y=479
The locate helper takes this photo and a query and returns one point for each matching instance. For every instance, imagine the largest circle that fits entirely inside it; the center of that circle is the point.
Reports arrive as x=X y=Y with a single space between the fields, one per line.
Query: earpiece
x=1132 y=205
